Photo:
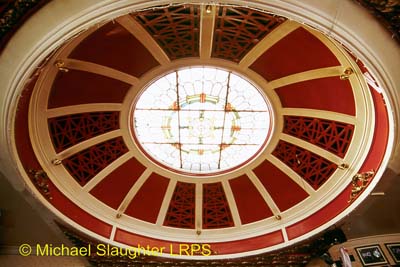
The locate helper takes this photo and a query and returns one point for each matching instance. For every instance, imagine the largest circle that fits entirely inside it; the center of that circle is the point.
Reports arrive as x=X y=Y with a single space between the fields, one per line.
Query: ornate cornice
x=13 y=14
x=387 y=12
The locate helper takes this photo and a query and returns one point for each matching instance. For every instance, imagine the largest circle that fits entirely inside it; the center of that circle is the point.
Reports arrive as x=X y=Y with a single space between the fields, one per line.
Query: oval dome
x=222 y=125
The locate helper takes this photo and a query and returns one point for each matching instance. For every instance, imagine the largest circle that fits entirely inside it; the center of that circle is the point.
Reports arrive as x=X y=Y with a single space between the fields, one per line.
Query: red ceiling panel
x=173 y=248
x=78 y=215
x=175 y=29
x=135 y=240
x=66 y=131
x=330 y=93
x=331 y=135
x=283 y=190
x=79 y=87
x=113 y=46
x=113 y=188
x=182 y=208
x=216 y=211
x=86 y=164
x=380 y=140
x=313 y=168
x=297 y=52
x=22 y=140
x=249 y=201
x=237 y=30
x=147 y=202
x=322 y=216
x=249 y=244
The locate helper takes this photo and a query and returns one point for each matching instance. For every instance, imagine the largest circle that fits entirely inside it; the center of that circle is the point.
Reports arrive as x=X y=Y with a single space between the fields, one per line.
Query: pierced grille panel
x=181 y=211
x=216 y=211
x=86 y=164
x=237 y=30
x=69 y=130
x=313 y=168
x=330 y=135
x=175 y=29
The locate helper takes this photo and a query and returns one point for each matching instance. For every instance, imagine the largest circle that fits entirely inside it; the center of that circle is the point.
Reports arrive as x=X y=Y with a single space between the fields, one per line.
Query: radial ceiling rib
x=307 y=75
x=231 y=203
x=292 y=174
x=264 y=193
x=207 y=22
x=88 y=143
x=76 y=64
x=113 y=231
x=199 y=206
x=84 y=108
x=106 y=171
x=320 y=114
x=268 y=41
x=285 y=235
x=132 y=192
x=130 y=24
x=166 y=202
x=371 y=82
x=312 y=148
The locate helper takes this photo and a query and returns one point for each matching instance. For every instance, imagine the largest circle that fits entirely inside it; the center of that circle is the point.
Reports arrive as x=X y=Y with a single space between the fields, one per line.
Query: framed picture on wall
x=371 y=255
x=394 y=250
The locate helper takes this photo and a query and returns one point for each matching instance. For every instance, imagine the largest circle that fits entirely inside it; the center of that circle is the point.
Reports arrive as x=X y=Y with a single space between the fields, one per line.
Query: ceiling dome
x=185 y=124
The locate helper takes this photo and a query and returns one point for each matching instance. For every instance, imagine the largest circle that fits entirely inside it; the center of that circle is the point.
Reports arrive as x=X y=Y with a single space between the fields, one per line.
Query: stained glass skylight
x=201 y=120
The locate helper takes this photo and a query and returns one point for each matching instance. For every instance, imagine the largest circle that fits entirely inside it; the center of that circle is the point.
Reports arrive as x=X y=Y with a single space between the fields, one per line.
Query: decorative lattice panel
x=85 y=164
x=181 y=211
x=330 y=135
x=237 y=30
x=216 y=212
x=69 y=130
x=175 y=29
x=314 y=169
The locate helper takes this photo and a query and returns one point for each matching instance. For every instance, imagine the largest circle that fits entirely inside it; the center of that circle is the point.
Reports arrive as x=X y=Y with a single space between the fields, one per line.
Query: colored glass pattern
x=201 y=120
